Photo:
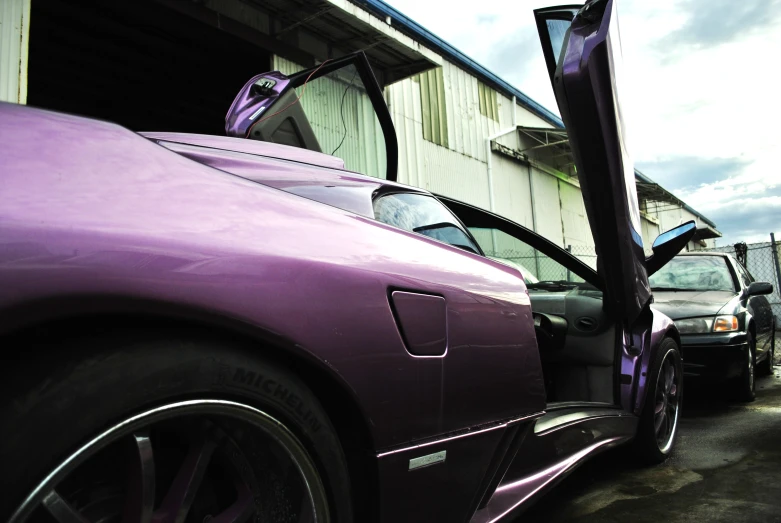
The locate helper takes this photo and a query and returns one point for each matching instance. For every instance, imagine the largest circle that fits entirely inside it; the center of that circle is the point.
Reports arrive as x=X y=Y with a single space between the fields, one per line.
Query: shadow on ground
x=726 y=467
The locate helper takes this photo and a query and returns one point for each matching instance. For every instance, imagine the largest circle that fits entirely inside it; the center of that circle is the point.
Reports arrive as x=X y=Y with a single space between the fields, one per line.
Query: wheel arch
x=69 y=318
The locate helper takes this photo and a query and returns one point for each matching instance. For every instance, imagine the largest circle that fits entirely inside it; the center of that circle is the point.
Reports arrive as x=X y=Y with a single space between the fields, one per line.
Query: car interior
x=576 y=338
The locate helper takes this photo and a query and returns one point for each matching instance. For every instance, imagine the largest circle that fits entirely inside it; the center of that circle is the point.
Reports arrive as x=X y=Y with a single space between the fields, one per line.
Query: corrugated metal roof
x=418 y=32
x=413 y=29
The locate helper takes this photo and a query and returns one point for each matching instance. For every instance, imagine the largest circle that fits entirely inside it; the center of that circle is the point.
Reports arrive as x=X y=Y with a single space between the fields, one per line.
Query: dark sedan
x=724 y=318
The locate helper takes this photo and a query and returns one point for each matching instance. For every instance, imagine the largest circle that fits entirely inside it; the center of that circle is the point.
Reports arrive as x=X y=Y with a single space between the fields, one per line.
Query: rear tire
x=745 y=384
x=59 y=397
x=658 y=426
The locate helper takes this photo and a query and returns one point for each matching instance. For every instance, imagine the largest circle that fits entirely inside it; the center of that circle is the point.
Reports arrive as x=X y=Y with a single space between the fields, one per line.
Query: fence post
x=569 y=276
x=775 y=259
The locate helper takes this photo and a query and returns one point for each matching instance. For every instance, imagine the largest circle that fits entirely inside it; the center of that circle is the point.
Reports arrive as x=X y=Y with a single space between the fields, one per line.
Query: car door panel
x=578 y=354
x=268 y=108
x=586 y=78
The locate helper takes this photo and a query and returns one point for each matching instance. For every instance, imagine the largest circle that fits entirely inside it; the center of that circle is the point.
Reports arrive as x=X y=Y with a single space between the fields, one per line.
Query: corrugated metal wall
x=342 y=118
x=14 y=38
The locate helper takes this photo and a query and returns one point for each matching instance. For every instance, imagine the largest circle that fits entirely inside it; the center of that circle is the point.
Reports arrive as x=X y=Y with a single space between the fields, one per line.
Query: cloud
x=686 y=173
x=510 y=55
x=487 y=19
x=747 y=219
x=710 y=23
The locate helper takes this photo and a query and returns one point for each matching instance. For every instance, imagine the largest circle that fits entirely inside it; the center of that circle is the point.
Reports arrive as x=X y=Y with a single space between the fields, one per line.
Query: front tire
x=95 y=432
x=658 y=425
x=745 y=384
x=766 y=367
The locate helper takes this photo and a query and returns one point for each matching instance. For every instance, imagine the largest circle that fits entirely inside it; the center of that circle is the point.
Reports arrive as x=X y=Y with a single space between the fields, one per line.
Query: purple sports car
x=242 y=328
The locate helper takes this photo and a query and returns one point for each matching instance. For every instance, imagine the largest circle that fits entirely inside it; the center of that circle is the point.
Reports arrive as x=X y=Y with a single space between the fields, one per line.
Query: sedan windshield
x=695 y=273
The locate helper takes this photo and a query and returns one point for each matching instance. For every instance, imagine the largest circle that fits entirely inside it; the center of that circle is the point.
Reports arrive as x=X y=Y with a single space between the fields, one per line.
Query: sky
x=703 y=109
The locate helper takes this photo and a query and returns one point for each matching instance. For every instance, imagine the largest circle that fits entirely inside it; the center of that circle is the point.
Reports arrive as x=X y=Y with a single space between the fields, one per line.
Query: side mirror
x=759 y=288
x=668 y=244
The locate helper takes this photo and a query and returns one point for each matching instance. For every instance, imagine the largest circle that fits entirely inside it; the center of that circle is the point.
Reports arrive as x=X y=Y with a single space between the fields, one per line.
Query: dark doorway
x=136 y=63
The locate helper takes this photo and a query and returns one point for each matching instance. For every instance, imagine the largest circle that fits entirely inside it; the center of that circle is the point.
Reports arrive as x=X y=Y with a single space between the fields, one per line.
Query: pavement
x=726 y=467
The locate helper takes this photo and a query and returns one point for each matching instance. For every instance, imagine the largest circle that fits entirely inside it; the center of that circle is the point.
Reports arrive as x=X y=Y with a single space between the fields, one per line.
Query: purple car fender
x=94 y=218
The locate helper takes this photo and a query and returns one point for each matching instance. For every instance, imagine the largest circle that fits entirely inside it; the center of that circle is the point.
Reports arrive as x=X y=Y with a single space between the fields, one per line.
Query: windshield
x=695 y=273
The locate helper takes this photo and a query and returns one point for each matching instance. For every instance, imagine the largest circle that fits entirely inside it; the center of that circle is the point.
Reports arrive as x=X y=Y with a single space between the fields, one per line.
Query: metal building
x=175 y=65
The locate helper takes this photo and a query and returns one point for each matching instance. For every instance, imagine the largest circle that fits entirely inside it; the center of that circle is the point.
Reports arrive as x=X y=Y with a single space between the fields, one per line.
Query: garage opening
x=139 y=64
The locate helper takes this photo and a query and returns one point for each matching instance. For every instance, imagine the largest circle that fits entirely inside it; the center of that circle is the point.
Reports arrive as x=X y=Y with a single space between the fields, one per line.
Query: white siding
x=460 y=169
x=547 y=206
x=14 y=38
x=343 y=119
x=650 y=232
x=575 y=226
x=512 y=191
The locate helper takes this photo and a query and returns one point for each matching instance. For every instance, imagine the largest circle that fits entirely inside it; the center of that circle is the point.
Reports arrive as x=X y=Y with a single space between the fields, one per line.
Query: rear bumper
x=714 y=357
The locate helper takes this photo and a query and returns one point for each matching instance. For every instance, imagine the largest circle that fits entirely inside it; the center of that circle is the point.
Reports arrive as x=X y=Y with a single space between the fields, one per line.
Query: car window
x=744 y=274
x=424 y=215
x=536 y=268
x=696 y=273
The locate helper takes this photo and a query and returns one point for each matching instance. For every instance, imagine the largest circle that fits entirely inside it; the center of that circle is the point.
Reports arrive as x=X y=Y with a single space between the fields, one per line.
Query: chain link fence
x=762 y=261
x=542 y=267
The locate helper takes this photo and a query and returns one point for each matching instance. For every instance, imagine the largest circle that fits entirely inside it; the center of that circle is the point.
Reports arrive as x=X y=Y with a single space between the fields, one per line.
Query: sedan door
x=759 y=308
x=582 y=47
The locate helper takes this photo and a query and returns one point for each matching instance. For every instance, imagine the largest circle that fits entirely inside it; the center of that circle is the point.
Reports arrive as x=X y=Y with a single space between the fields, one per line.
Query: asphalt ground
x=726 y=467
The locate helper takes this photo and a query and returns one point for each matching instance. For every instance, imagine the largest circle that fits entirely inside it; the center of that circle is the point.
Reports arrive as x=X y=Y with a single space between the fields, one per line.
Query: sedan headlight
x=706 y=325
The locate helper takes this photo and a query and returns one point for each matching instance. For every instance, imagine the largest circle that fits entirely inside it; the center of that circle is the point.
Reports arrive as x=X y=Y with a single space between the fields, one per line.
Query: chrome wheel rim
x=750 y=366
x=211 y=475
x=666 y=405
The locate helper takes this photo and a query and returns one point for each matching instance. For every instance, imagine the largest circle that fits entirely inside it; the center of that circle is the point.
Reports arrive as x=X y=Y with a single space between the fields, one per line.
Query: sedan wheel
x=205 y=460
x=658 y=425
x=745 y=384
x=766 y=368
x=667 y=405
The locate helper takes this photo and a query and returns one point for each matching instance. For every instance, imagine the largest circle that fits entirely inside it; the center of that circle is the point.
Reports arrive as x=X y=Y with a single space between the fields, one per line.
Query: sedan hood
x=689 y=304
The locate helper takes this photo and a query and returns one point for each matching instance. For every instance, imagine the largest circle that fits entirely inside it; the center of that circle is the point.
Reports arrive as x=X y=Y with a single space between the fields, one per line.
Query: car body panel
x=94 y=216
x=342 y=189
x=690 y=304
x=222 y=144
x=586 y=80
x=547 y=457
x=442 y=491
x=95 y=219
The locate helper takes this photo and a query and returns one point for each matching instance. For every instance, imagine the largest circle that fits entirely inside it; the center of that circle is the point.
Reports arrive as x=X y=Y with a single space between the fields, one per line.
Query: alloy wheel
x=209 y=461
x=667 y=403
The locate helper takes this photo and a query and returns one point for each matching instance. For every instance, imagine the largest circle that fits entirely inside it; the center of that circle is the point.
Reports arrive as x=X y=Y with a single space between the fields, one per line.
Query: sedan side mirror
x=668 y=244
x=759 y=288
